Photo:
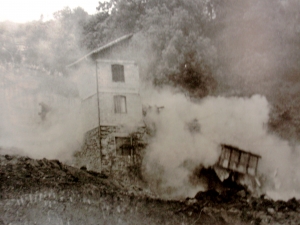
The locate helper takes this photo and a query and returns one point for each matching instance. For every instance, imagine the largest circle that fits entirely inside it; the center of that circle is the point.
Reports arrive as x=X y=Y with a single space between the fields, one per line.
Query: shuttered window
x=117 y=73
x=120 y=104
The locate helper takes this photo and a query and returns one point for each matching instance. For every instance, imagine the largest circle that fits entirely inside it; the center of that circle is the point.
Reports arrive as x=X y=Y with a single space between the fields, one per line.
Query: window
x=117 y=73
x=120 y=104
x=123 y=146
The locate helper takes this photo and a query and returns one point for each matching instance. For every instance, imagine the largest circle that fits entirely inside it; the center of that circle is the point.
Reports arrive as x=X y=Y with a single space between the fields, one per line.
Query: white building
x=112 y=117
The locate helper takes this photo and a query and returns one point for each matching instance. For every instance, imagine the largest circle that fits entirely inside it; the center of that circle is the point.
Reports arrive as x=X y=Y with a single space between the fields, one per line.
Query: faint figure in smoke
x=45 y=109
x=193 y=126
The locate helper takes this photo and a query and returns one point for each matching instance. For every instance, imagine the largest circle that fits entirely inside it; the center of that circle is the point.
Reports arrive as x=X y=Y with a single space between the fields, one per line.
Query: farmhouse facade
x=111 y=109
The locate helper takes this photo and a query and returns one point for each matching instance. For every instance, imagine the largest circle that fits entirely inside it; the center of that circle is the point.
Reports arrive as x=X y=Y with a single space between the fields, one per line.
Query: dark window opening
x=124 y=146
x=120 y=104
x=117 y=73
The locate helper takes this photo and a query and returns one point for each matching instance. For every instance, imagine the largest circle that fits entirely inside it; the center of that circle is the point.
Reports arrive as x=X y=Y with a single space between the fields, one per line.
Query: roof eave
x=102 y=48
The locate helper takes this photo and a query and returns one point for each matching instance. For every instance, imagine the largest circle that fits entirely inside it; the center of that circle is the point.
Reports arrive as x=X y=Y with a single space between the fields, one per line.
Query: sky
x=23 y=11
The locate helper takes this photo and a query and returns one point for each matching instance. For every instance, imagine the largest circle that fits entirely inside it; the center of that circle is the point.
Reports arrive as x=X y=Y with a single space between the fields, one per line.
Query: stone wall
x=122 y=167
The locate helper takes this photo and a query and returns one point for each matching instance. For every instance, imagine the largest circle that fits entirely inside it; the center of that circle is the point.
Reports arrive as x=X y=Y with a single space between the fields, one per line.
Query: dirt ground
x=49 y=192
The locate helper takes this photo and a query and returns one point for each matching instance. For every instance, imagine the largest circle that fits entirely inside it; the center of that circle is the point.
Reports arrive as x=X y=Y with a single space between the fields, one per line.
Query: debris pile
x=49 y=192
x=231 y=206
x=23 y=173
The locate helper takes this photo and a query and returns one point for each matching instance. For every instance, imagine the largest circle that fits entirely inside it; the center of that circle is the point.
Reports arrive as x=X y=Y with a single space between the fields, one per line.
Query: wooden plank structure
x=238 y=160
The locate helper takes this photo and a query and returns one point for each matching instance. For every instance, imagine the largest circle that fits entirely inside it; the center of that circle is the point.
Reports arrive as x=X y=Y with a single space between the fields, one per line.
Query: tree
x=258 y=50
x=182 y=55
x=51 y=44
x=214 y=47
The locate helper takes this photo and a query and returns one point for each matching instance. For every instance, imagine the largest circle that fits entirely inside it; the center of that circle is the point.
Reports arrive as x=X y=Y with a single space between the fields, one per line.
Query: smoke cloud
x=188 y=134
x=253 y=50
x=39 y=115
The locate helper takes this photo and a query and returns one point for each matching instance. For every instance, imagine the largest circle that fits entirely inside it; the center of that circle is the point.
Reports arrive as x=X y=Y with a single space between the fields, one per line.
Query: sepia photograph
x=149 y=112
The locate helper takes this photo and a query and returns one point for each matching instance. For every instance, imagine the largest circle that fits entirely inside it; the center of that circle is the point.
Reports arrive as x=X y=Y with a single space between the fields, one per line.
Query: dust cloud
x=188 y=134
x=39 y=115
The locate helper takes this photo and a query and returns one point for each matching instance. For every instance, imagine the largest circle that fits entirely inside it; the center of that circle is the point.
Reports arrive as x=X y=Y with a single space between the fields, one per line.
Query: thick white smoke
x=189 y=134
x=39 y=115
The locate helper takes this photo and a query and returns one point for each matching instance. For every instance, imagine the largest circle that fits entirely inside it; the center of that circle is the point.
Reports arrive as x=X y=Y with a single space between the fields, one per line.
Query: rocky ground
x=49 y=192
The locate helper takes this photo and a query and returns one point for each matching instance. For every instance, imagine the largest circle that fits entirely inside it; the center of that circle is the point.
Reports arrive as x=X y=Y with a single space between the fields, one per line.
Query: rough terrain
x=49 y=192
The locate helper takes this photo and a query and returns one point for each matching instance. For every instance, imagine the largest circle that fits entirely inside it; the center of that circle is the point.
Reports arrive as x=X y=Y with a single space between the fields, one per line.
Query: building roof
x=102 y=48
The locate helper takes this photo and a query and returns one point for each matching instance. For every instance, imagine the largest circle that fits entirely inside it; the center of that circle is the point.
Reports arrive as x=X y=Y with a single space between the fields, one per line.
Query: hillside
x=49 y=192
x=202 y=48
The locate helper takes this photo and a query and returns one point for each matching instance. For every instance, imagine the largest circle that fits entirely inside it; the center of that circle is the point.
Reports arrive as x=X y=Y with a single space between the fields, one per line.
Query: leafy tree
x=258 y=50
x=203 y=47
x=50 y=45
x=182 y=55
x=9 y=47
x=214 y=47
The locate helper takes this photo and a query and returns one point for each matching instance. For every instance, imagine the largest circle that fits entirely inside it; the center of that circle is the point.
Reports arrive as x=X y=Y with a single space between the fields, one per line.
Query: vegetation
x=47 y=45
x=207 y=47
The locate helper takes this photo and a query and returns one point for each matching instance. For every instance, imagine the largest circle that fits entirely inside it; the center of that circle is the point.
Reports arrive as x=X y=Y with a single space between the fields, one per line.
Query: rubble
x=50 y=192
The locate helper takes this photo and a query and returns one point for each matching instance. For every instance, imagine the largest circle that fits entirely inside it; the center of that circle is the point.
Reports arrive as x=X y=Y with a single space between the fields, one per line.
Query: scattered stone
x=8 y=157
x=211 y=195
x=293 y=204
x=32 y=190
x=271 y=211
x=191 y=201
x=241 y=193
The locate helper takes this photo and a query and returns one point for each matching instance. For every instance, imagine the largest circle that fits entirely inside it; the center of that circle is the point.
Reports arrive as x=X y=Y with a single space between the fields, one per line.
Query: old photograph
x=149 y=112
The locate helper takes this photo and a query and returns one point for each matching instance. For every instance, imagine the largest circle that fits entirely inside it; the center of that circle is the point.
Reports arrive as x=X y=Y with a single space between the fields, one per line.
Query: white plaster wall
x=107 y=90
x=86 y=78
x=106 y=84
x=133 y=117
x=89 y=113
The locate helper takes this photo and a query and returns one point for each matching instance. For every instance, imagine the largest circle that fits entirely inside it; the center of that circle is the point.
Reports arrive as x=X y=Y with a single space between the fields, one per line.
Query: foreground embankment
x=49 y=192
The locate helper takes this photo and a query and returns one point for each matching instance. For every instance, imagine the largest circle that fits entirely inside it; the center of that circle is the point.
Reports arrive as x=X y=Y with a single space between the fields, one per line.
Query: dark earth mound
x=49 y=192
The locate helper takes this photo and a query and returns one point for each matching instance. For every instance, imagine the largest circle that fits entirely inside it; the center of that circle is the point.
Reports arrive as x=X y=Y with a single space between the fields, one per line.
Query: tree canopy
x=183 y=54
x=50 y=45
x=215 y=47
x=203 y=47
